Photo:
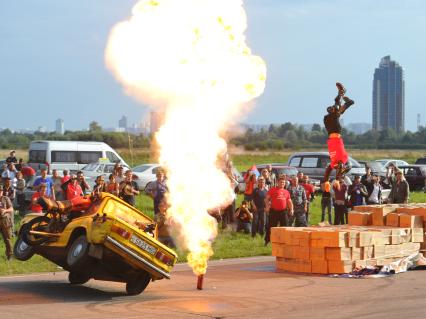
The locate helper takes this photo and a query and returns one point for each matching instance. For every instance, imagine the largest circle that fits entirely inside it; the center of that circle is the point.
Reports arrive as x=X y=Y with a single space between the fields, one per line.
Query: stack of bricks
x=376 y=235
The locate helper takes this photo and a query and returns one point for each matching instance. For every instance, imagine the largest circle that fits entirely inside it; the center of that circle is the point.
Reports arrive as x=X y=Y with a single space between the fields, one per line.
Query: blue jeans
x=258 y=223
x=246 y=226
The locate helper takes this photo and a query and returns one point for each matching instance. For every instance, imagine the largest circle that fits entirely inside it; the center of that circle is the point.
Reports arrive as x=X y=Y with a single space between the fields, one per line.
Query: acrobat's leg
x=339 y=170
x=327 y=173
x=346 y=167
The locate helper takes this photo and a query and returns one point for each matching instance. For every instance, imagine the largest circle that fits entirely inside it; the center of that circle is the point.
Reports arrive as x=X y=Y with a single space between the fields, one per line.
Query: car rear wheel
x=77 y=254
x=136 y=286
x=21 y=250
x=78 y=278
x=39 y=223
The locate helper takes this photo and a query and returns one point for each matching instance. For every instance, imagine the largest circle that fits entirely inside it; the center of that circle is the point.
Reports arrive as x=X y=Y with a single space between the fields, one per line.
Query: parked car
x=146 y=173
x=107 y=239
x=415 y=176
x=376 y=168
x=314 y=165
x=421 y=161
x=69 y=155
x=93 y=170
x=386 y=162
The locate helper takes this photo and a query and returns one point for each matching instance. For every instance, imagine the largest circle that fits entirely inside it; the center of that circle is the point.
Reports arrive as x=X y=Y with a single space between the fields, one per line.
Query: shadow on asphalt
x=31 y=292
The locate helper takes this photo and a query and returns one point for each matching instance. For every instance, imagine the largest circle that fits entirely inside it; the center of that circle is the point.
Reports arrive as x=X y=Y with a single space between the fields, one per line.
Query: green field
x=228 y=244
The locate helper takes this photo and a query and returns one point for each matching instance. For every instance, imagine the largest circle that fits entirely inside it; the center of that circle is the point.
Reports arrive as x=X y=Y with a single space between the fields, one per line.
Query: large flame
x=189 y=58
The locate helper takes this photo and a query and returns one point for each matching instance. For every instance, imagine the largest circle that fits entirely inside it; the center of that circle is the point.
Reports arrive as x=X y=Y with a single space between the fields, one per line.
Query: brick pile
x=375 y=235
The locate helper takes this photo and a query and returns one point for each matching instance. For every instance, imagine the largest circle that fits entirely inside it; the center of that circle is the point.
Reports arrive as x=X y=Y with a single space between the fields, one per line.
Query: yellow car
x=103 y=238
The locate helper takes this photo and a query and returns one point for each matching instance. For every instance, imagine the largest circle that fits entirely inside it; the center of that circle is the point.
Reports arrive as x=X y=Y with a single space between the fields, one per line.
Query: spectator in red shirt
x=73 y=189
x=42 y=192
x=310 y=193
x=66 y=177
x=278 y=207
x=27 y=172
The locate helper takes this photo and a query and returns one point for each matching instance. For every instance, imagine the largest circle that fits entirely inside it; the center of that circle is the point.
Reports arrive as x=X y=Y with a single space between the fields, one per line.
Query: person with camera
x=244 y=217
x=129 y=189
x=356 y=193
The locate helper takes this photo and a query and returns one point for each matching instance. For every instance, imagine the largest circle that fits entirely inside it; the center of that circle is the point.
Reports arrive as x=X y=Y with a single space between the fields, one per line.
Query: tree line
x=292 y=136
x=275 y=137
x=12 y=140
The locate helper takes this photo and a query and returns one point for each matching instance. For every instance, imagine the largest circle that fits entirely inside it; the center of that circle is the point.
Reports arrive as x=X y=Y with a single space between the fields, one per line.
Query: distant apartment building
x=60 y=127
x=122 y=123
x=389 y=96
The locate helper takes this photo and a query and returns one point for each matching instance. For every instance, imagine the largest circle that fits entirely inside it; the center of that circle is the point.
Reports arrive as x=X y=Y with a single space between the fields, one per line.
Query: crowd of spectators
x=269 y=200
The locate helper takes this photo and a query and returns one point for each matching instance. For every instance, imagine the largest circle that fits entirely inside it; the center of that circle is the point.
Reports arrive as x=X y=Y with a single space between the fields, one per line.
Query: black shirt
x=332 y=123
x=11 y=159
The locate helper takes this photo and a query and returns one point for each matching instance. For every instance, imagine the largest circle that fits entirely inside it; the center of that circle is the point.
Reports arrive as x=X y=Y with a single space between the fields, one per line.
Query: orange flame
x=190 y=58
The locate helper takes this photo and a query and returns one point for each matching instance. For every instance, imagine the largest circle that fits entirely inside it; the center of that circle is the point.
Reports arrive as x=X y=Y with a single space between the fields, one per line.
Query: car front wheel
x=77 y=254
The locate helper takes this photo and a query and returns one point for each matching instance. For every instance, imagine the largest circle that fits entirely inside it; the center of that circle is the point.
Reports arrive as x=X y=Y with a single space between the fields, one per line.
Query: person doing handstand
x=339 y=159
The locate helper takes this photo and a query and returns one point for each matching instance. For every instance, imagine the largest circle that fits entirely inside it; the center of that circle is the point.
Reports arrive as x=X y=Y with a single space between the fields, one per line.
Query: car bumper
x=137 y=258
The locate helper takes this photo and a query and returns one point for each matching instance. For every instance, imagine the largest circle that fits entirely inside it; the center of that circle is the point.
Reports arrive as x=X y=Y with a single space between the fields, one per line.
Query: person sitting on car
x=42 y=192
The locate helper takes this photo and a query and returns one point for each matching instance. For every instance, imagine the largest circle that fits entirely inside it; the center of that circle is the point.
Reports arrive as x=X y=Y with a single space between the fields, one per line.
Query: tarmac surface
x=234 y=288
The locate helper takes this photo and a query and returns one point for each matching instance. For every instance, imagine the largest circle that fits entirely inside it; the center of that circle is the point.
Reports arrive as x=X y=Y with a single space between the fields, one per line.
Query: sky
x=52 y=59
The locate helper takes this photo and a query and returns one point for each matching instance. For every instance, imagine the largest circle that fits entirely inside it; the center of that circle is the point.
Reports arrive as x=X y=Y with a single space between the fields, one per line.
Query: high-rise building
x=122 y=123
x=389 y=96
x=59 y=126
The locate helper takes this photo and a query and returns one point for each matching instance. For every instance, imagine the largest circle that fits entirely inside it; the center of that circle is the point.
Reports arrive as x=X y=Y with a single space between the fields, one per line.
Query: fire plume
x=189 y=58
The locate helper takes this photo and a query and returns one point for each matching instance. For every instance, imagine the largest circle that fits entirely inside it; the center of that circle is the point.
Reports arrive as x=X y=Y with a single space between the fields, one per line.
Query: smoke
x=190 y=59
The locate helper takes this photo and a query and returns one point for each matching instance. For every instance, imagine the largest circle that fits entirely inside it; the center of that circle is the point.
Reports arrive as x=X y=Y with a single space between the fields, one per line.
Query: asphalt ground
x=233 y=288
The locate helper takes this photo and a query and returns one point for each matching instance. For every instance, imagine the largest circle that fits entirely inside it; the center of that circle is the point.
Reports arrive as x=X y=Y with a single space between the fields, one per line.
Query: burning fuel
x=189 y=58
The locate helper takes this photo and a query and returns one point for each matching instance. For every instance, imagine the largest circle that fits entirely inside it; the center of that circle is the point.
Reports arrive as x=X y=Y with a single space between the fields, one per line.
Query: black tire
x=136 y=286
x=21 y=250
x=38 y=223
x=77 y=254
x=78 y=278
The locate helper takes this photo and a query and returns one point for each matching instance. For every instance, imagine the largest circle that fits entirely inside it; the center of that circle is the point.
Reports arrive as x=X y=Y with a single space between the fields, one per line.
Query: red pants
x=337 y=152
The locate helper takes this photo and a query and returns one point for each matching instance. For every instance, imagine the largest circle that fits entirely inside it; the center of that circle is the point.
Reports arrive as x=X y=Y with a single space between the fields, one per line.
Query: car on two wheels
x=102 y=238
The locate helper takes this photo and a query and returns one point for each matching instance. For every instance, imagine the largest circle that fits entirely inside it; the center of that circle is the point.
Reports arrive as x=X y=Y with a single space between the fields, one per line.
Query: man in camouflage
x=298 y=197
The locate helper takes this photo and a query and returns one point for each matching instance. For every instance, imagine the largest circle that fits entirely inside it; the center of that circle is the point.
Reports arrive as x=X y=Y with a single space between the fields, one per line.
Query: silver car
x=314 y=164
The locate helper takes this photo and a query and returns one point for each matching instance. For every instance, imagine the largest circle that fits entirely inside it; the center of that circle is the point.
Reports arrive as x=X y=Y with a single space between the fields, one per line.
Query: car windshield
x=141 y=168
x=421 y=161
x=383 y=162
x=289 y=171
x=90 y=167
x=375 y=166
x=355 y=163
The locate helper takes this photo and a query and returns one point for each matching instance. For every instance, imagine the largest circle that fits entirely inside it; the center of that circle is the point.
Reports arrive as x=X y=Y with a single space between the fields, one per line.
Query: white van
x=69 y=155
